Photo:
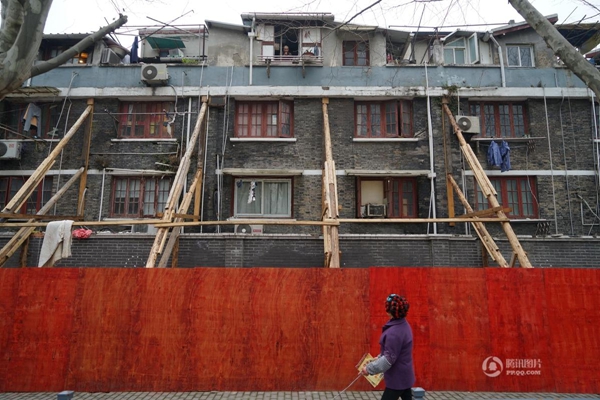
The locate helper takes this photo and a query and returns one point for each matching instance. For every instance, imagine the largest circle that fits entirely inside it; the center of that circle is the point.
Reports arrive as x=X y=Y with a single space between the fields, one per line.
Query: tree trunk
x=21 y=33
x=561 y=47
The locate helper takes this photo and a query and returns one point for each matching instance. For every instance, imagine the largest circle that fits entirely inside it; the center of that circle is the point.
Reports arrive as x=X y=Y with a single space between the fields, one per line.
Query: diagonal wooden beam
x=23 y=234
x=488 y=190
x=486 y=239
x=176 y=189
x=29 y=186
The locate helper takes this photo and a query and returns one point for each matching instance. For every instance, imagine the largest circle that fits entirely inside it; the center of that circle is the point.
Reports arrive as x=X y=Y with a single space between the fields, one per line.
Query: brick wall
x=202 y=250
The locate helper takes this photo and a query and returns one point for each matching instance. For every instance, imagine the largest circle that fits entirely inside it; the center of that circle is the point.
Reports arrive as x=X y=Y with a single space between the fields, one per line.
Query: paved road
x=350 y=395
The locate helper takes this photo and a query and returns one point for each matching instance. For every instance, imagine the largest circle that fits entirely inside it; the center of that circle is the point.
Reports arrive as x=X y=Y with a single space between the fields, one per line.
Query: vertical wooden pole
x=332 y=243
x=85 y=157
x=24 y=250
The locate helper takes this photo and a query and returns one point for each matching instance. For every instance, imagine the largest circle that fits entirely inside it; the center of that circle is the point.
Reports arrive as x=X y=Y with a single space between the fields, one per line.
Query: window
x=398 y=195
x=519 y=56
x=10 y=185
x=263 y=198
x=383 y=119
x=284 y=43
x=139 y=196
x=518 y=193
x=145 y=120
x=41 y=119
x=356 y=53
x=501 y=119
x=264 y=119
x=455 y=52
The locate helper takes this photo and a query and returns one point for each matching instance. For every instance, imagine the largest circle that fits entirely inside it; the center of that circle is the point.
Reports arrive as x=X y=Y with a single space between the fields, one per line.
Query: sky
x=80 y=16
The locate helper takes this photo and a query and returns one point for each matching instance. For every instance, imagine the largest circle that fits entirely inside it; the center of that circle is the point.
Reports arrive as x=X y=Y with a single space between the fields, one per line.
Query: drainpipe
x=251 y=36
x=501 y=58
x=431 y=166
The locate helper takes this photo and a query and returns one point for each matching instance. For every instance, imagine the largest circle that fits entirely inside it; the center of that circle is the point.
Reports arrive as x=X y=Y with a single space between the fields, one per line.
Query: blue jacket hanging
x=505 y=155
x=494 y=158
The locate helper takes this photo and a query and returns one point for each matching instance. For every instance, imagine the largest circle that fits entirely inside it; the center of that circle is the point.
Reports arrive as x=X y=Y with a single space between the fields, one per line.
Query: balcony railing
x=305 y=59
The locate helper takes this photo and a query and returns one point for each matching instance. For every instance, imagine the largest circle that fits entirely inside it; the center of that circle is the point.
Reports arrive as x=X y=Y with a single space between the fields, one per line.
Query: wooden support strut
x=85 y=158
x=331 y=233
x=488 y=190
x=486 y=239
x=23 y=194
x=23 y=234
x=176 y=189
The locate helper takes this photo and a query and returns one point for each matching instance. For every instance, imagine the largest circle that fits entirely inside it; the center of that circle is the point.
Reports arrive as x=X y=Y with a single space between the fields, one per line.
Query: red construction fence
x=264 y=329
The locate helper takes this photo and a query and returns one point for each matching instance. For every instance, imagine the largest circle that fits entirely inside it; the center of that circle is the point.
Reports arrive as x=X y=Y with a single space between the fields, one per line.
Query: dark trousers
x=391 y=394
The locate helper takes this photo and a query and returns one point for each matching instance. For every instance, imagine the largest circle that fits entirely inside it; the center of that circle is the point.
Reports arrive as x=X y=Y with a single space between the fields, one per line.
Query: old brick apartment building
x=263 y=142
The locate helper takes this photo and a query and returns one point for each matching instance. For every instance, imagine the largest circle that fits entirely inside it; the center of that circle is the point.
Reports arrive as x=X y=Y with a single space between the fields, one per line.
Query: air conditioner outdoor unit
x=176 y=53
x=149 y=229
x=155 y=73
x=376 y=210
x=10 y=149
x=109 y=57
x=244 y=229
x=468 y=124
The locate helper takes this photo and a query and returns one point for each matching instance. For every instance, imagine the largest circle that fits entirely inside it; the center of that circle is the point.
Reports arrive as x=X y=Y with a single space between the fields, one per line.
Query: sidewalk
x=289 y=396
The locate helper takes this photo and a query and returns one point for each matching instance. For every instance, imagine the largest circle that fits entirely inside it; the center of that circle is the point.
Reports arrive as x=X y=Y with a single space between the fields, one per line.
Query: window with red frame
x=501 y=119
x=12 y=121
x=517 y=193
x=272 y=119
x=10 y=185
x=142 y=120
x=139 y=196
x=398 y=194
x=356 y=53
x=383 y=119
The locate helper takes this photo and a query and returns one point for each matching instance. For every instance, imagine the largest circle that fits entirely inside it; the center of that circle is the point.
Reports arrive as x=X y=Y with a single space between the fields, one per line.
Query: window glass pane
x=4 y=192
x=120 y=196
x=134 y=197
x=408 y=204
x=490 y=120
x=448 y=56
x=276 y=198
x=349 y=53
x=512 y=196
x=286 y=119
x=460 y=56
x=361 y=120
x=395 y=198
x=512 y=54
x=256 y=120
x=391 y=127
x=473 y=56
x=362 y=54
x=164 y=187
x=271 y=123
x=242 y=120
x=406 y=107
x=248 y=197
x=503 y=111
x=456 y=43
x=518 y=120
x=375 y=120
x=526 y=57
x=149 y=197
x=527 y=198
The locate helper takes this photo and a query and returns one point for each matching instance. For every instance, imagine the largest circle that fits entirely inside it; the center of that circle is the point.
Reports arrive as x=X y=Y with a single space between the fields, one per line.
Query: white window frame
x=245 y=194
x=473 y=58
x=518 y=47
x=453 y=48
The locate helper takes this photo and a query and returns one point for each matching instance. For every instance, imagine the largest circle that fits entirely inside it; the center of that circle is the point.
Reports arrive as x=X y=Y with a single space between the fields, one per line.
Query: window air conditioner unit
x=10 y=149
x=376 y=210
x=176 y=53
x=244 y=229
x=109 y=57
x=468 y=124
x=149 y=229
x=155 y=73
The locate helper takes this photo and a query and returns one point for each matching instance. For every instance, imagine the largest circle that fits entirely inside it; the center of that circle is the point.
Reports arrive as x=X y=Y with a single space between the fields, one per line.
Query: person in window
x=286 y=51
x=395 y=358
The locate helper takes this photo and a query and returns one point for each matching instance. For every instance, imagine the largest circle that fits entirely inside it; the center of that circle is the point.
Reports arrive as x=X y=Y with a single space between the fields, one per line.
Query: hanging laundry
x=505 y=154
x=32 y=117
x=252 y=192
x=494 y=158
